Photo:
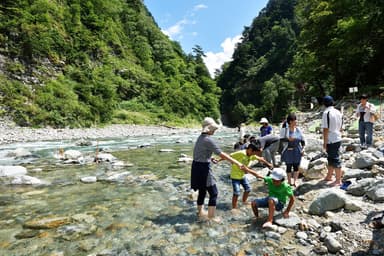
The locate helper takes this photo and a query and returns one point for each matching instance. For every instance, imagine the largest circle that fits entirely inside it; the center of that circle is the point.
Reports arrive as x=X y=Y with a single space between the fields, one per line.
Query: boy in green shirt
x=279 y=192
x=238 y=176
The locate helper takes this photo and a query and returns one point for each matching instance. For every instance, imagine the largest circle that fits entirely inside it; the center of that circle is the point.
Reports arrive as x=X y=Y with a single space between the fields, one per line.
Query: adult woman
x=202 y=178
x=294 y=150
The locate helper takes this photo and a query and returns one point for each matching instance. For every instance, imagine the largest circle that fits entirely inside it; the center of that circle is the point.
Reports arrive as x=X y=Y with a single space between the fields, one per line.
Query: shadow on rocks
x=374 y=220
x=306 y=187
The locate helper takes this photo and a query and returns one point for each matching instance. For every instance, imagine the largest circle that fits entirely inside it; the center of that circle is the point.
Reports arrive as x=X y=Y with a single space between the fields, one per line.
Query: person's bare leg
x=254 y=209
x=289 y=177
x=211 y=214
x=295 y=177
x=271 y=211
x=234 y=201
x=338 y=173
x=245 y=197
x=200 y=211
x=329 y=174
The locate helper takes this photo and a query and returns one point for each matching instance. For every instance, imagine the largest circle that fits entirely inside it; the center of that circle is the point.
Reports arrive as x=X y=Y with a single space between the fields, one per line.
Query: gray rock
x=376 y=191
x=290 y=222
x=363 y=161
x=273 y=235
x=89 y=179
x=182 y=228
x=9 y=171
x=359 y=188
x=26 y=180
x=356 y=173
x=327 y=201
x=332 y=244
x=301 y=235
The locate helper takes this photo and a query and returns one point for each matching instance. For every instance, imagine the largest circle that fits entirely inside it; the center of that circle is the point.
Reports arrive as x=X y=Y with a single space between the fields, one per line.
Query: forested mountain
x=341 y=45
x=298 y=49
x=252 y=83
x=89 y=62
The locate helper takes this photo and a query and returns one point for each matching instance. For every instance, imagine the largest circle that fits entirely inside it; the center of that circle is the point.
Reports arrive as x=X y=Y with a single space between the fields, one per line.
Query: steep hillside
x=298 y=50
x=90 y=62
x=252 y=83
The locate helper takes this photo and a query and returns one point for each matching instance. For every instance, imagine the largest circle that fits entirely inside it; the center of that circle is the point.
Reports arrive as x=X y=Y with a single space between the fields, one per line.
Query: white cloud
x=199 y=7
x=214 y=61
x=176 y=29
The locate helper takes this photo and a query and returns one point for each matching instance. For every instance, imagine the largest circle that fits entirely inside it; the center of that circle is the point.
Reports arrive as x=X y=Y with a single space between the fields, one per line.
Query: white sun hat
x=209 y=125
x=277 y=174
x=264 y=120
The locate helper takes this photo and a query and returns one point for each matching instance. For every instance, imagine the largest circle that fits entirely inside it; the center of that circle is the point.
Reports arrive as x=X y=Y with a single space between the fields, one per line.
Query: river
x=150 y=211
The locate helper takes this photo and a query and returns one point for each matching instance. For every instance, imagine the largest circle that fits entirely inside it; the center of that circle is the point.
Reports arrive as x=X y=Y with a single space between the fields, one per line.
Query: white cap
x=209 y=125
x=264 y=120
x=277 y=174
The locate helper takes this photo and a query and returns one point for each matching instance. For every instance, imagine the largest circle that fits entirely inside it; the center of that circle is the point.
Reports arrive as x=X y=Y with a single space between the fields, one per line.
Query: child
x=237 y=175
x=278 y=192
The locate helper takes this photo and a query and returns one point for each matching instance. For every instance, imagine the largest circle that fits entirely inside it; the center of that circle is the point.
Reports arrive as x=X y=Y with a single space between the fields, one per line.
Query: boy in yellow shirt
x=238 y=176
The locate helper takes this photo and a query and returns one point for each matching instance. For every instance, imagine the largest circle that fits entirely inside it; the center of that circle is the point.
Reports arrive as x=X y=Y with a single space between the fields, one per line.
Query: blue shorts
x=263 y=203
x=236 y=186
x=334 y=154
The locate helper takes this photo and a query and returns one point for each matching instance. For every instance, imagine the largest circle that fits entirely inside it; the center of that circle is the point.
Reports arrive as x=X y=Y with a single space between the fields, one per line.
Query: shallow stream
x=149 y=212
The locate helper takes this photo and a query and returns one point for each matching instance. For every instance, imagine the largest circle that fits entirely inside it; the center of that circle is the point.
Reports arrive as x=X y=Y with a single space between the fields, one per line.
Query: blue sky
x=215 y=25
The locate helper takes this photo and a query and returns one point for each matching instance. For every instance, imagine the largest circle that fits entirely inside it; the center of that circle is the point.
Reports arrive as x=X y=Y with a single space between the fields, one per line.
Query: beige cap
x=209 y=125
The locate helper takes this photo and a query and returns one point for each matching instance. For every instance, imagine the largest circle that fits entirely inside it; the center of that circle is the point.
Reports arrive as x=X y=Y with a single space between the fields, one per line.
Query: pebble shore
x=11 y=133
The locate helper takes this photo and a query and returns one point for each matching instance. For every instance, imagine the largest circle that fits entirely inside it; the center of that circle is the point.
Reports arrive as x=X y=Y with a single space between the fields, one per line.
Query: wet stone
x=27 y=234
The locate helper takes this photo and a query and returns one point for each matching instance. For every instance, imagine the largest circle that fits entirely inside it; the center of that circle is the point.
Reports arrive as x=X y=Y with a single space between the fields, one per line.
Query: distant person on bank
x=365 y=111
x=332 y=122
x=265 y=128
x=202 y=178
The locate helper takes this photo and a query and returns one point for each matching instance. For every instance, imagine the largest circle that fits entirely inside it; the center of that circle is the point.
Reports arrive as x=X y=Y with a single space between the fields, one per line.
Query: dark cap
x=364 y=96
x=328 y=101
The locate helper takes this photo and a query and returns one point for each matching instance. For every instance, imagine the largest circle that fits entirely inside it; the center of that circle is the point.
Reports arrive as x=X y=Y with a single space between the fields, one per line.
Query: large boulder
x=327 y=201
x=318 y=171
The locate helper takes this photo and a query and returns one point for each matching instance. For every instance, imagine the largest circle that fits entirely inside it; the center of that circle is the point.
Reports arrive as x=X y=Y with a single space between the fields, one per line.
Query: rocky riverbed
x=325 y=220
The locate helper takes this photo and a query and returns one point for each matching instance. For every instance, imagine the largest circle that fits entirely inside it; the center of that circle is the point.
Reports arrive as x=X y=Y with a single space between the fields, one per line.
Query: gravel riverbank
x=10 y=133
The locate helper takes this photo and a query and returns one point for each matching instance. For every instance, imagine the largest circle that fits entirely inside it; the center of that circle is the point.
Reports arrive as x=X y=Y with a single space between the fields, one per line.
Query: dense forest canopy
x=86 y=62
x=91 y=62
x=298 y=49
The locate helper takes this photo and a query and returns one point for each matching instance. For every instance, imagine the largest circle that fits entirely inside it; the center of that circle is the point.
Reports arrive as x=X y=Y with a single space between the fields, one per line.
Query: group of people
x=292 y=138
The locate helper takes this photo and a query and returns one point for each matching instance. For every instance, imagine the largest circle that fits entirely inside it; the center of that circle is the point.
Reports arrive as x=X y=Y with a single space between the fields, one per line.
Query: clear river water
x=150 y=211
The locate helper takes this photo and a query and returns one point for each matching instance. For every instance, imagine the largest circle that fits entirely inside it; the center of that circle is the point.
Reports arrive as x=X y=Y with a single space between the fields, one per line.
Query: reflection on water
x=151 y=213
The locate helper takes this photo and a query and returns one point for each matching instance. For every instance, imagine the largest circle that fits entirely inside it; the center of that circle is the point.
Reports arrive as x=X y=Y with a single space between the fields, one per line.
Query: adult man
x=331 y=123
x=364 y=112
x=269 y=145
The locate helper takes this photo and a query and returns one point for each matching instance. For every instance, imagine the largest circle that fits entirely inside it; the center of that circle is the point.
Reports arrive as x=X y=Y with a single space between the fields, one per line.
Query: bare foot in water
x=216 y=220
x=202 y=213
